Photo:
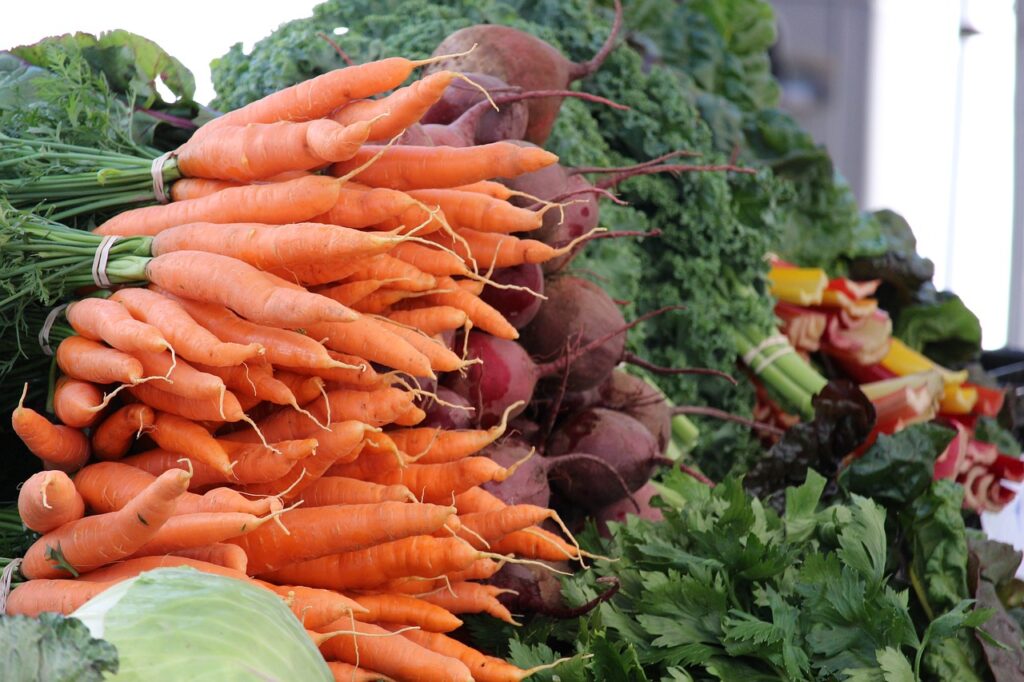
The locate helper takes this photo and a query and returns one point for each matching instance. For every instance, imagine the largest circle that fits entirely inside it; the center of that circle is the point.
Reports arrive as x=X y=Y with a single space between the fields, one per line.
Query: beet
x=617 y=511
x=446 y=417
x=534 y=589
x=518 y=307
x=529 y=484
x=616 y=439
x=544 y=184
x=640 y=400
x=460 y=97
x=577 y=312
x=521 y=60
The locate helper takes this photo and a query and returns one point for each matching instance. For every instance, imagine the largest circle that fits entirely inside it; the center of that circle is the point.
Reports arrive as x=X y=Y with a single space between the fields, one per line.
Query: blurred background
x=913 y=98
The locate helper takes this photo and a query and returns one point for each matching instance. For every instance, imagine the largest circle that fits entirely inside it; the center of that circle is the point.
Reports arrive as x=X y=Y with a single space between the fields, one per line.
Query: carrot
x=77 y=403
x=357 y=374
x=403 y=107
x=177 y=434
x=441 y=358
x=129 y=568
x=482 y=667
x=226 y=408
x=481 y=569
x=304 y=387
x=430 y=260
x=267 y=247
x=115 y=434
x=158 y=461
x=87 y=360
x=345 y=439
x=60 y=447
x=283 y=347
x=314 y=607
x=320 y=531
x=385 y=267
x=94 y=541
x=340 y=490
x=181 y=378
x=213 y=278
x=51 y=595
x=494 y=525
x=257 y=464
x=375 y=408
x=443 y=445
x=359 y=206
x=473 y=286
x=109 y=486
x=100 y=319
x=351 y=292
x=439 y=481
x=378 y=456
x=465 y=597
x=220 y=553
x=476 y=500
x=319 y=96
x=344 y=672
x=196 y=188
x=48 y=500
x=430 y=320
x=392 y=655
x=182 y=531
x=406 y=610
x=261 y=150
x=189 y=339
x=408 y=167
x=419 y=217
x=496 y=249
x=411 y=417
x=255 y=380
x=276 y=203
x=479 y=211
x=419 y=555
x=489 y=188
x=536 y=543
x=370 y=339
x=482 y=315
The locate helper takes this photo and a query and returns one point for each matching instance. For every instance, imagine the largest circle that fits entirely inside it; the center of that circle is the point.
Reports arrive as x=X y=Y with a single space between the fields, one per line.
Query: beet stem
x=625 y=169
x=583 y=609
x=586 y=190
x=584 y=69
x=674 y=168
x=634 y=359
x=727 y=416
x=337 y=48
x=689 y=471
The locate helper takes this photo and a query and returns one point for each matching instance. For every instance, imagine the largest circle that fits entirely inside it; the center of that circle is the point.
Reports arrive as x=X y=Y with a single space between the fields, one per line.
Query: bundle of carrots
x=249 y=408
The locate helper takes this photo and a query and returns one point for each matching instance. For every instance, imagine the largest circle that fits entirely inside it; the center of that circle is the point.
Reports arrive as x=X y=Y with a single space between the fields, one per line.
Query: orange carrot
x=213 y=278
x=411 y=417
x=183 y=531
x=375 y=408
x=370 y=339
x=94 y=541
x=385 y=267
x=442 y=445
x=439 y=481
x=115 y=434
x=405 y=610
x=257 y=464
x=403 y=107
x=483 y=316
x=479 y=211
x=181 y=378
x=57 y=596
x=100 y=319
x=189 y=339
x=196 y=188
x=490 y=188
x=346 y=438
x=319 y=96
x=48 y=500
x=494 y=249
x=340 y=490
x=419 y=555
x=345 y=672
x=392 y=655
x=380 y=301
x=359 y=206
x=60 y=447
x=276 y=203
x=267 y=247
x=219 y=553
x=305 y=388
x=158 y=461
x=129 y=568
x=314 y=607
x=536 y=543
x=441 y=358
x=408 y=167
x=226 y=408
x=256 y=380
x=351 y=292
x=430 y=320
x=283 y=347
x=77 y=403
x=476 y=499
x=320 y=531
x=109 y=486
x=358 y=373
x=177 y=434
x=494 y=525
x=430 y=260
x=465 y=597
x=87 y=360
x=482 y=667
x=261 y=150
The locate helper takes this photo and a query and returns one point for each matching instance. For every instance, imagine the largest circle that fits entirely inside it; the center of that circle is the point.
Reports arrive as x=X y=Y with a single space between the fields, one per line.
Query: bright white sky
x=193 y=31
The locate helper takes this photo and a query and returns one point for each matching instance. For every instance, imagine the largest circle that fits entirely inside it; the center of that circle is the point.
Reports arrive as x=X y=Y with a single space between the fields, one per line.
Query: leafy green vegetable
x=988 y=430
x=179 y=623
x=54 y=648
x=943 y=329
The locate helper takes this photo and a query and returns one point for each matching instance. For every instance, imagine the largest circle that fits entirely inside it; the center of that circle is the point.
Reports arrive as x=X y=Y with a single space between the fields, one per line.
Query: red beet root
x=445 y=416
x=518 y=307
x=529 y=484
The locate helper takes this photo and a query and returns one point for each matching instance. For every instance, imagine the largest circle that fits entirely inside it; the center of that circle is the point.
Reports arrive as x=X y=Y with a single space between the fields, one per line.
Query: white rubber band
x=5 y=583
x=44 y=333
x=767 y=362
x=99 y=262
x=156 y=171
x=751 y=355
